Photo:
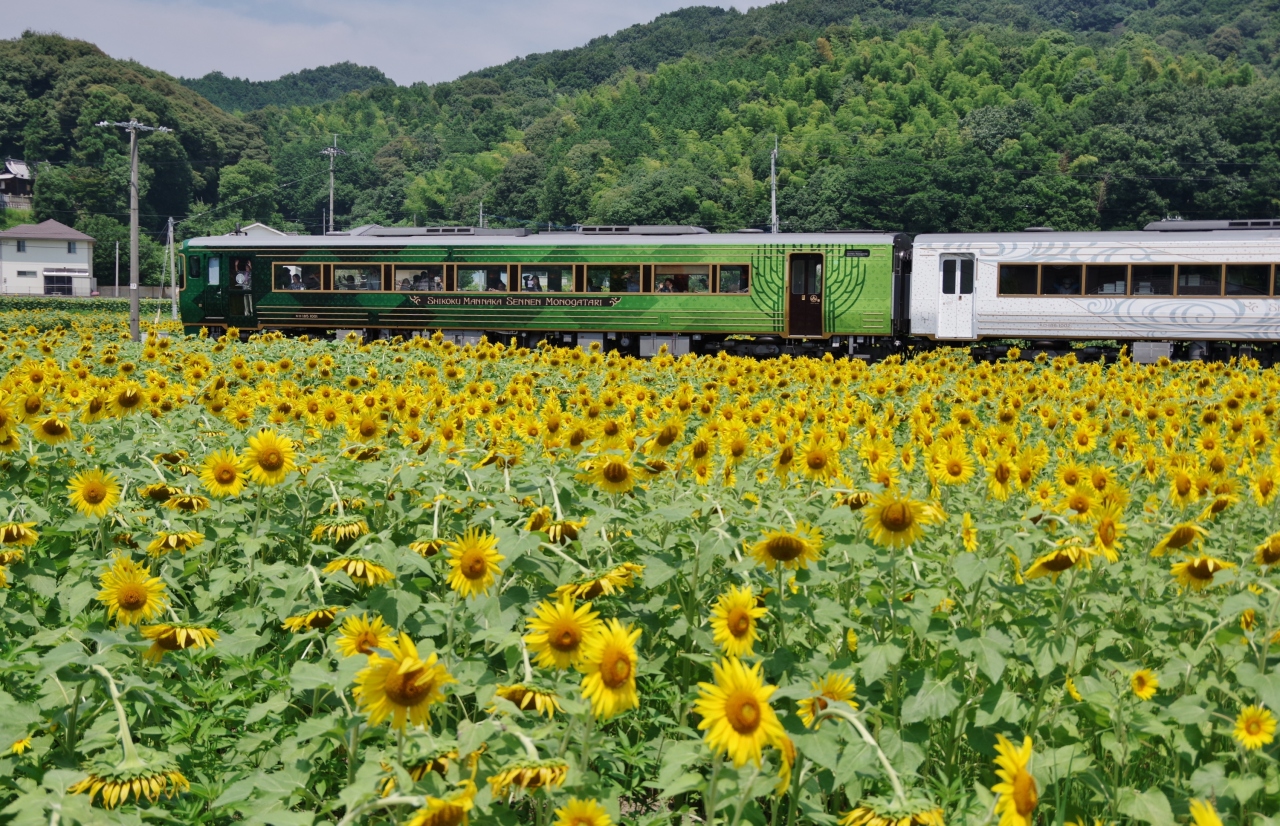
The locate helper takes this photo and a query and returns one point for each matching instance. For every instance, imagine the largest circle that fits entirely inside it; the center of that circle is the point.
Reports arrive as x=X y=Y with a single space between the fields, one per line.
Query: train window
x=1151 y=279
x=1106 y=279
x=546 y=279
x=1019 y=279
x=473 y=279
x=357 y=277
x=297 y=277
x=1199 y=279
x=1060 y=279
x=966 y=276
x=806 y=275
x=419 y=278
x=682 y=278
x=949 y=276
x=1248 y=279
x=735 y=278
x=215 y=271
x=620 y=279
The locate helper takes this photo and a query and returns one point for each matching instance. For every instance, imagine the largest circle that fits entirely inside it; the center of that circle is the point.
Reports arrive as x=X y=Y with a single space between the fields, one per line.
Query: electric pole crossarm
x=332 y=152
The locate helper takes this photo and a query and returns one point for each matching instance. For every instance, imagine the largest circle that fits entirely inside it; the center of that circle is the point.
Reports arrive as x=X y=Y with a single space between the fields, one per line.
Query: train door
x=215 y=292
x=956 y=313
x=239 y=292
x=804 y=296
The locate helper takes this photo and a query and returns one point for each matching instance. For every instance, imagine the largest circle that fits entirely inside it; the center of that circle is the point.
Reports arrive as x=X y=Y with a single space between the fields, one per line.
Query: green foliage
x=54 y=90
x=305 y=88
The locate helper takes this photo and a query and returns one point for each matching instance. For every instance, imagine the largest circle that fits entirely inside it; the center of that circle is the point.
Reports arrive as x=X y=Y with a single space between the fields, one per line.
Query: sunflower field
x=287 y=581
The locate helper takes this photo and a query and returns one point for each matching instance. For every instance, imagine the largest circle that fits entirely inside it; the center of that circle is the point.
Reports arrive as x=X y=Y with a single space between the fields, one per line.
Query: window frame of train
x=504 y=270
x=322 y=272
x=1181 y=279
x=526 y=271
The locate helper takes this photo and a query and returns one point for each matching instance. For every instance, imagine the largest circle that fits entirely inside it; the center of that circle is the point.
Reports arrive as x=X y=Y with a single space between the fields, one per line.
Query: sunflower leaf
x=1150 y=806
x=934 y=700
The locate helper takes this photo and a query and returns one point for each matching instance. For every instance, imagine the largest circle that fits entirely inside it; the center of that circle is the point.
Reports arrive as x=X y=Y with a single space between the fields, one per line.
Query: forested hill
x=1250 y=29
x=305 y=88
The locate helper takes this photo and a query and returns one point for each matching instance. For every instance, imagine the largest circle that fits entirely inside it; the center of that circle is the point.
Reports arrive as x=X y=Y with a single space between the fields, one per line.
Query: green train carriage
x=628 y=288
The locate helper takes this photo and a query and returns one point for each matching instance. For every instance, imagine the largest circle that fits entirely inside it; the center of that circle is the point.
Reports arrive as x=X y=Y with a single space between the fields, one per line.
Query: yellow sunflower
x=269 y=457
x=792 y=549
x=18 y=533
x=1268 y=550
x=1182 y=535
x=735 y=619
x=1068 y=553
x=130 y=593
x=1197 y=573
x=582 y=813
x=403 y=686
x=541 y=700
x=167 y=541
x=473 y=562
x=52 y=430
x=361 y=635
x=607 y=584
x=1255 y=727
x=875 y=812
x=736 y=714
x=223 y=474
x=176 y=637
x=362 y=571
x=317 y=618
x=94 y=492
x=1017 y=790
x=557 y=632
x=528 y=775
x=451 y=810
x=1203 y=814
x=1144 y=683
x=612 y=474
x=894 y=520
x=608 y=667
x=833 y=687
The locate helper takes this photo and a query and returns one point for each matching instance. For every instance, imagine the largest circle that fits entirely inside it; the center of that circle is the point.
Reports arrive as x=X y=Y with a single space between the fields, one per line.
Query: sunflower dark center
x=616 y=472
x=271 y=459
x=897 y=517
x=94 y=492
x=615 y=670
x=53 y=427
x=743 y=712
x=409 y=688
x=668 y=435
x=738 y=622
x=225 y=475
x=565 y=638
x=1024 y=793
x=474 y=565
x=1181 y=536
x=128 y=398
x=816 y=460
x=132 y=597
x=785 y=547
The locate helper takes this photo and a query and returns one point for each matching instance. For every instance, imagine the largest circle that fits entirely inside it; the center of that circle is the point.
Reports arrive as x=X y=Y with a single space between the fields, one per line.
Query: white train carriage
x=1175 y=281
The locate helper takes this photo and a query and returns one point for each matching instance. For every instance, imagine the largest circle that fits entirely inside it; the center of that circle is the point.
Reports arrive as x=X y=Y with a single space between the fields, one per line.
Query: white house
x=48 y=258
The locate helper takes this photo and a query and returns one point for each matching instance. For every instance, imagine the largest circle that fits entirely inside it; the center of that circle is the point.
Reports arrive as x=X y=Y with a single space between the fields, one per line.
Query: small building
x=260 y=230
x=15 y=185
x=48 y=258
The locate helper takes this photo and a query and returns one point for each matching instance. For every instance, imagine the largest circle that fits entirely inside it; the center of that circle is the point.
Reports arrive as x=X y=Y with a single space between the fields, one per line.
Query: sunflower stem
x=793 y=795
x=524 y=655
x=782 y=622
x=131 y=757
x=709 y=802
x=351 y=754
x=844 y=713
x=588 y=727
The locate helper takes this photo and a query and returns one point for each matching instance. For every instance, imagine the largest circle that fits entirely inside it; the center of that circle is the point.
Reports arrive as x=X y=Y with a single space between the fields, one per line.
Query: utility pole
x=116 y=285
x=173 y=276
x=773 y=188
x=332 y=152
x=482 y=214
x=133 y=127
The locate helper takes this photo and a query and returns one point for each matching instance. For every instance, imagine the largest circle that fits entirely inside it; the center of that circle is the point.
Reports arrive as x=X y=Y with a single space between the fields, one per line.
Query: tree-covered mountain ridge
x=307 y=87
x=927 y=128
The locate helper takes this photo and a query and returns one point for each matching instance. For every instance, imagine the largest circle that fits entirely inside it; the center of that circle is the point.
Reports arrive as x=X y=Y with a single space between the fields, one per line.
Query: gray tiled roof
x=50 y=230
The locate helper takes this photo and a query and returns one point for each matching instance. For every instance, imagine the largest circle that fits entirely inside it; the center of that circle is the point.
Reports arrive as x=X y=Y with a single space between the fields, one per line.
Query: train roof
x=559 y=239
x=1157 y=233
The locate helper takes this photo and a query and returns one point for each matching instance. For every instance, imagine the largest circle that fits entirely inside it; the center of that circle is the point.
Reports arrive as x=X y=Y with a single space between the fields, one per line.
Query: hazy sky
x=429 y=40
